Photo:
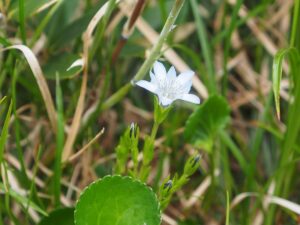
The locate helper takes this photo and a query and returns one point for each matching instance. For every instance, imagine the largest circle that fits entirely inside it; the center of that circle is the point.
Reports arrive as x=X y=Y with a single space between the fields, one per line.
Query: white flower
x=169 y=87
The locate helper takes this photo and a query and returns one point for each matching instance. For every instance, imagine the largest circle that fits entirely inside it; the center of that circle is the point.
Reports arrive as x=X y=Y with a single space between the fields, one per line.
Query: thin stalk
x=229 y=31
x=227 y=208
x=121 y=93
x=17 y=124
x=136 y=13
x=6 y=189
x=1 y=217
x=296 y=17
x=154 y=54
x=32 y=185
x=101 y=29
x=283 y=180
x=3 y=138
x=159 y=173
x=226 y=139
x=127 y=29
x=22 y=20
x=44 y=22
x=144 y=170
x=4 y=132
x=241 y=21
x=228 y=180
x=154 y=130
x=59 y=143
x=205 y=46
x=257 y=140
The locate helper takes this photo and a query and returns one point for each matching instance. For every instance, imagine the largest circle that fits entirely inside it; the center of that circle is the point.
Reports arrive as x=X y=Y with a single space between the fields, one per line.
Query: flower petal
x=159 y=71
x=187 y=87
x=190 y=98
x=147 y=85
x=171 y=73
x=165 y=101
x=185 y=77
x=153 y=78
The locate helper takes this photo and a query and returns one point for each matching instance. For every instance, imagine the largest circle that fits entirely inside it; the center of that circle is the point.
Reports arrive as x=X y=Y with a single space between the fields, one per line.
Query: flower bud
x=168 y=185
x=191 y=165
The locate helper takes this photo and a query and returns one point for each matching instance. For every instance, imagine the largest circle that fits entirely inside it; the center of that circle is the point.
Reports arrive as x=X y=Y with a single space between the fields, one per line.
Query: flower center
x=169 y=88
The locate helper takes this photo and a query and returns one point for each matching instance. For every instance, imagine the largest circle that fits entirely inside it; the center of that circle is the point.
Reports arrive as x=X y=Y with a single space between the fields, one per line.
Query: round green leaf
x=206 y=121
x=63 y=216
x=116 y=200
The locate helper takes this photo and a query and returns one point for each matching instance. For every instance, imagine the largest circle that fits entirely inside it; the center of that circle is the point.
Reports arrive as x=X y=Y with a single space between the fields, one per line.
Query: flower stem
x=154 y=131
x=116 y=97
x=154 y=54
x=155 y=51
x=148 y=153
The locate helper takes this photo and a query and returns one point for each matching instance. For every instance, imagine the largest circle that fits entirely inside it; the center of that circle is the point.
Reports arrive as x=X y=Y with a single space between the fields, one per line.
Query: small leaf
x=63 y=216
x=117 y=200
x=206 y=121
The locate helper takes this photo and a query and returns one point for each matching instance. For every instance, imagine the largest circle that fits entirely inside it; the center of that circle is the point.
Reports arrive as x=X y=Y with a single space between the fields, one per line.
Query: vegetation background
x=52 y=117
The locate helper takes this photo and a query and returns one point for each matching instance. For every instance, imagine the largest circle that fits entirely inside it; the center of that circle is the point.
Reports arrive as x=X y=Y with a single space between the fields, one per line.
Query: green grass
x=59 y=143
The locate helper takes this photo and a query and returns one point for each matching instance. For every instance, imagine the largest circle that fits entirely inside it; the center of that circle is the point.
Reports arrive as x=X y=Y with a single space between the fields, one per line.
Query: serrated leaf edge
x=122 y=177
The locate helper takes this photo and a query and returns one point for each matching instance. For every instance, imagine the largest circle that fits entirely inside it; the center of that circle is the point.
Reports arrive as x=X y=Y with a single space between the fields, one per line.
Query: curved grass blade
x=277 y=72
x=87 y=37
x=41 y=81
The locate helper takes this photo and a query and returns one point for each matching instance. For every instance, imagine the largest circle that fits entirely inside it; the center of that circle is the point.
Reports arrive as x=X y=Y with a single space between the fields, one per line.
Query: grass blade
x=22 y=20
x=4 y=132
x=277 y=73
x=296 y=15
x=229 y=31
x=41 y=81
x=59 y=143
x=227 y=208
x=205 y=45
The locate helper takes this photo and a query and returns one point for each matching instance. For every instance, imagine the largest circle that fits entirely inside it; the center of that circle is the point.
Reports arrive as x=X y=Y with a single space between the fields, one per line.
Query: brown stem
x=127 y=29
x=136 y=12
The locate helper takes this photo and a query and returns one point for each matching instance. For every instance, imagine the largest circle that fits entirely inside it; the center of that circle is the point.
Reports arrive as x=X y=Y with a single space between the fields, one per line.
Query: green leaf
x=206 y=121
x=63 y=216
x=117 y=200
x=60 y=64
x=74 y=29
x=61 y=18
